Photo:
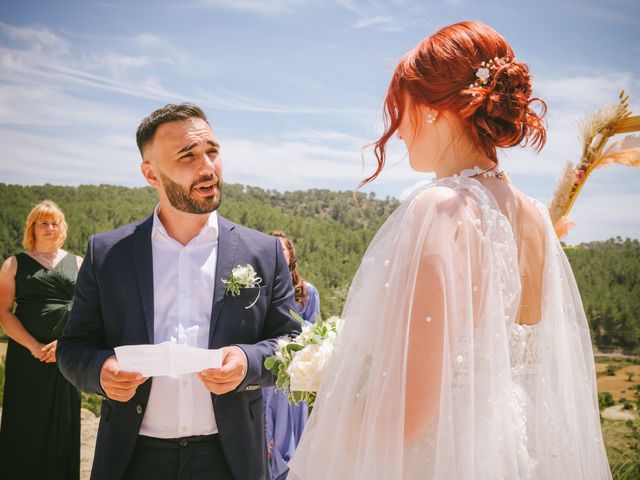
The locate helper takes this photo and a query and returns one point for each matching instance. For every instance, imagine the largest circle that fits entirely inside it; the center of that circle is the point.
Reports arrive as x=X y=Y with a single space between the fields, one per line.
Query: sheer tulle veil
x=433 y=378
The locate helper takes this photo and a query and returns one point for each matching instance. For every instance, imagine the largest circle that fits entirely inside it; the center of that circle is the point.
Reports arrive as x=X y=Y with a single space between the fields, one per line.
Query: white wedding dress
x=433 y=376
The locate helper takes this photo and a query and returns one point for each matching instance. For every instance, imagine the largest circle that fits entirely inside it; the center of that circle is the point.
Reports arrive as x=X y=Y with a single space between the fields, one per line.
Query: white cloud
x=586 y=90
x=42 y=157
x=49 y=106
x=378 y=20
x=263 y=7
x=36 y=37
x=122 y=73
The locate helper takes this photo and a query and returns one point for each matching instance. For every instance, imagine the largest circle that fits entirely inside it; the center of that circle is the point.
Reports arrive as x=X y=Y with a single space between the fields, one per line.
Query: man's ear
x=149 y=174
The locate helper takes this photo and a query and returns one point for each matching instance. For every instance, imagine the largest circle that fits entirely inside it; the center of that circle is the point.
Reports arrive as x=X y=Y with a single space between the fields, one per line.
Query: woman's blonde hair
x=45 y=210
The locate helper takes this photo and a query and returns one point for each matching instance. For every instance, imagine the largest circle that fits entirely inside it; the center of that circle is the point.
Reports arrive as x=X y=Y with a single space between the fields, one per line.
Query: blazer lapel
x=143 y=262
x=226 y=257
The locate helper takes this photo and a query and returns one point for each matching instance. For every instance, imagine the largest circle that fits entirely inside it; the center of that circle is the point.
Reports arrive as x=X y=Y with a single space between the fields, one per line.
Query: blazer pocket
x=250 y=292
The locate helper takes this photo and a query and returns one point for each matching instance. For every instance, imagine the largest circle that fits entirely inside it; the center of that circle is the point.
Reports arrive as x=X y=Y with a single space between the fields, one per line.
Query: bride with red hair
x=465 y=351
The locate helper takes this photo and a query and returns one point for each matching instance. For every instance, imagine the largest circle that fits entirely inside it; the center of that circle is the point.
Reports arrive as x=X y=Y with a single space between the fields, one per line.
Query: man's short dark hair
x=169 y=113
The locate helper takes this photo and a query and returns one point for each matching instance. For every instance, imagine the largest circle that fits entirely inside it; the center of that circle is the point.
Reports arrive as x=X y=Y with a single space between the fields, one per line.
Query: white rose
x=307 y=368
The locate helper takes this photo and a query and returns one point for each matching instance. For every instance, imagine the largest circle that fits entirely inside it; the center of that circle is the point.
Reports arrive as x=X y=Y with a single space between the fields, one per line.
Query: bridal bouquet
x=300 y=363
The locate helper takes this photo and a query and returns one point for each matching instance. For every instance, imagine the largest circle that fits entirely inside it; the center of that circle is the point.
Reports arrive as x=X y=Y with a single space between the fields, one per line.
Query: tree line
x=331 y=231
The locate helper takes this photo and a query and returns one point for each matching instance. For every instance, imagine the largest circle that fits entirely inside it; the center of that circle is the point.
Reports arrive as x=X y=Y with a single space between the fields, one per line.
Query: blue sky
x=293 y=88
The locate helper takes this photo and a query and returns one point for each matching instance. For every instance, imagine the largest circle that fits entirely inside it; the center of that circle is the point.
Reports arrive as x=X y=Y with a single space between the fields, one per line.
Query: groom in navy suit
x=162 y=280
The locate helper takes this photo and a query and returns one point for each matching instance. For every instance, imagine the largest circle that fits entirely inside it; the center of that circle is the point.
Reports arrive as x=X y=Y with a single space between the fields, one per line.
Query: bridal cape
x=433 y=377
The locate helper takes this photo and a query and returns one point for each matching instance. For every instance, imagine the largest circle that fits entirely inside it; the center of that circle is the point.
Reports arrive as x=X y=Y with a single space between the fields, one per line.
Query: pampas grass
x=596 y=130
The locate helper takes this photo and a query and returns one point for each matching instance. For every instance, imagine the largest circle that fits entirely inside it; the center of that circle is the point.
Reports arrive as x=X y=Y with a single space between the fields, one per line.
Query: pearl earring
x=431 y=118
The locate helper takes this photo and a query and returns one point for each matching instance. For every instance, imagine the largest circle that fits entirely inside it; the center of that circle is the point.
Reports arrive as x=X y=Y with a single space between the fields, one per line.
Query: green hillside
x=331 y=233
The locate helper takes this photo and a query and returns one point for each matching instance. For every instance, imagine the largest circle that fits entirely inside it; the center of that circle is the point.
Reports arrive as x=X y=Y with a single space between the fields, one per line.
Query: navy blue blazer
x=113 y=306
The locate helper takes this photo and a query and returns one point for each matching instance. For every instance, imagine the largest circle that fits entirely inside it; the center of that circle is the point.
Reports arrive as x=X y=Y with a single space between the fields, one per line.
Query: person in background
x=40 y=430
x=286 y=422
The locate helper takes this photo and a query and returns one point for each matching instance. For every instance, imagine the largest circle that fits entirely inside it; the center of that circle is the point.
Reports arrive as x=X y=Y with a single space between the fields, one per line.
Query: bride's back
x=529 y=235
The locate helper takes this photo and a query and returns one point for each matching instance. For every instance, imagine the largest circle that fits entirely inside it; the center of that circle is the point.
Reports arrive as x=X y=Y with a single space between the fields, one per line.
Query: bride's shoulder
x=438 y=196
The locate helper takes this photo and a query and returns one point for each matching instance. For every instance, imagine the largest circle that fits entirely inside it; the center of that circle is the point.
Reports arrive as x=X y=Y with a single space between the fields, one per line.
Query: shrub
x=605 y=399
x=91 y=402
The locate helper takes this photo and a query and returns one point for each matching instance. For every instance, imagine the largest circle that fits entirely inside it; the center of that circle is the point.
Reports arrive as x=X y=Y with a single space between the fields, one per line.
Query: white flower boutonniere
x=242 y=277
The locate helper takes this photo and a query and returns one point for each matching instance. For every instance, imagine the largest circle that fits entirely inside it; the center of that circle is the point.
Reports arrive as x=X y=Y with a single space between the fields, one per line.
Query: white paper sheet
x=166 y=359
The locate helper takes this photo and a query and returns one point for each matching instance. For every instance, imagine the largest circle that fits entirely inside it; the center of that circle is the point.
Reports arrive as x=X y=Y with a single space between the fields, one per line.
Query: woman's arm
x=425 y=350
x=8 y=321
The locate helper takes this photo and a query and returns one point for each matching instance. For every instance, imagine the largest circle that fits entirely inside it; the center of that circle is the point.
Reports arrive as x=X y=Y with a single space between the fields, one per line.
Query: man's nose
x=207 y=164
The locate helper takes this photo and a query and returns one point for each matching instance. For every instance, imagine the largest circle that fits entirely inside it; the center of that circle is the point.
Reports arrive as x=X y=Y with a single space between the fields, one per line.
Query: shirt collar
x=209 y=230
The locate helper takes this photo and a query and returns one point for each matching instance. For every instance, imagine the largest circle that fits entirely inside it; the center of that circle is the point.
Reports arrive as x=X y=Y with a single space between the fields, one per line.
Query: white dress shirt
x=183 y=283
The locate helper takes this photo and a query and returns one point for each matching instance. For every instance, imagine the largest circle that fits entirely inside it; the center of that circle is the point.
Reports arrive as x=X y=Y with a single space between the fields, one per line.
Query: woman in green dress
x=40 y=429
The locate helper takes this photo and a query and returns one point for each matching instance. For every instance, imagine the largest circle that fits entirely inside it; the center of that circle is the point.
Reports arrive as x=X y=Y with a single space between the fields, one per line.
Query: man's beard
x=180 y=198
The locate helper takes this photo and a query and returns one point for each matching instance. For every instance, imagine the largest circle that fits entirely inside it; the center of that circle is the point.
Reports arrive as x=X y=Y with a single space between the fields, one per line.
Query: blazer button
x=139 y=409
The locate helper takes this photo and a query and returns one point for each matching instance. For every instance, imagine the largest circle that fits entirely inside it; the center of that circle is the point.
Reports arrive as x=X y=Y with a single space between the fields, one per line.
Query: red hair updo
x=440 y=73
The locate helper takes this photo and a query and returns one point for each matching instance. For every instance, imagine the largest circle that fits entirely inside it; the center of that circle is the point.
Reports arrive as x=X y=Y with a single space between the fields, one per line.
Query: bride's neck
x=448 y=167
x=460 y=155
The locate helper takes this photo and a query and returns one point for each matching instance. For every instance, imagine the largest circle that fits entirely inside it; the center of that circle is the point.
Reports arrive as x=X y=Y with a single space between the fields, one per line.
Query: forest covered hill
x=331 y=233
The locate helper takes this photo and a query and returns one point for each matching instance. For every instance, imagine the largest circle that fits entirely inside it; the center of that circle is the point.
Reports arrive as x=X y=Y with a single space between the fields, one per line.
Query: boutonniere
x=242 y=277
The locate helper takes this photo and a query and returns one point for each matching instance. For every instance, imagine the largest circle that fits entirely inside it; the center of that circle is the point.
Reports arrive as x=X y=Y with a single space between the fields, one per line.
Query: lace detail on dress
x=524 y=353
x=524 y=350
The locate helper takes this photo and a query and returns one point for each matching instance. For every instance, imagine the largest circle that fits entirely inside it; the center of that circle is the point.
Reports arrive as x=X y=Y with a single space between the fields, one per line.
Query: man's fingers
x=123 y=383
x=124 y=376
x=120 y=390
x=219 y=388
x=221 y=375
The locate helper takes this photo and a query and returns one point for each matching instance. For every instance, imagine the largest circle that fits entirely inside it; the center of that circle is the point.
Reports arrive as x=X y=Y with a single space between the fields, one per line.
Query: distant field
x=618 y=385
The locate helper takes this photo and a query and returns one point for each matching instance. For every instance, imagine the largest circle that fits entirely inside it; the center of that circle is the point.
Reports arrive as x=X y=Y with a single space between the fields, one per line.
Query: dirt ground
x=619 y=385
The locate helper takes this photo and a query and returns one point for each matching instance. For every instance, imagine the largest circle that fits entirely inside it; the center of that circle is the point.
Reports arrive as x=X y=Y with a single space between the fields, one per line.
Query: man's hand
x=229 y=375
x=118 y=384
x=49 y=352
